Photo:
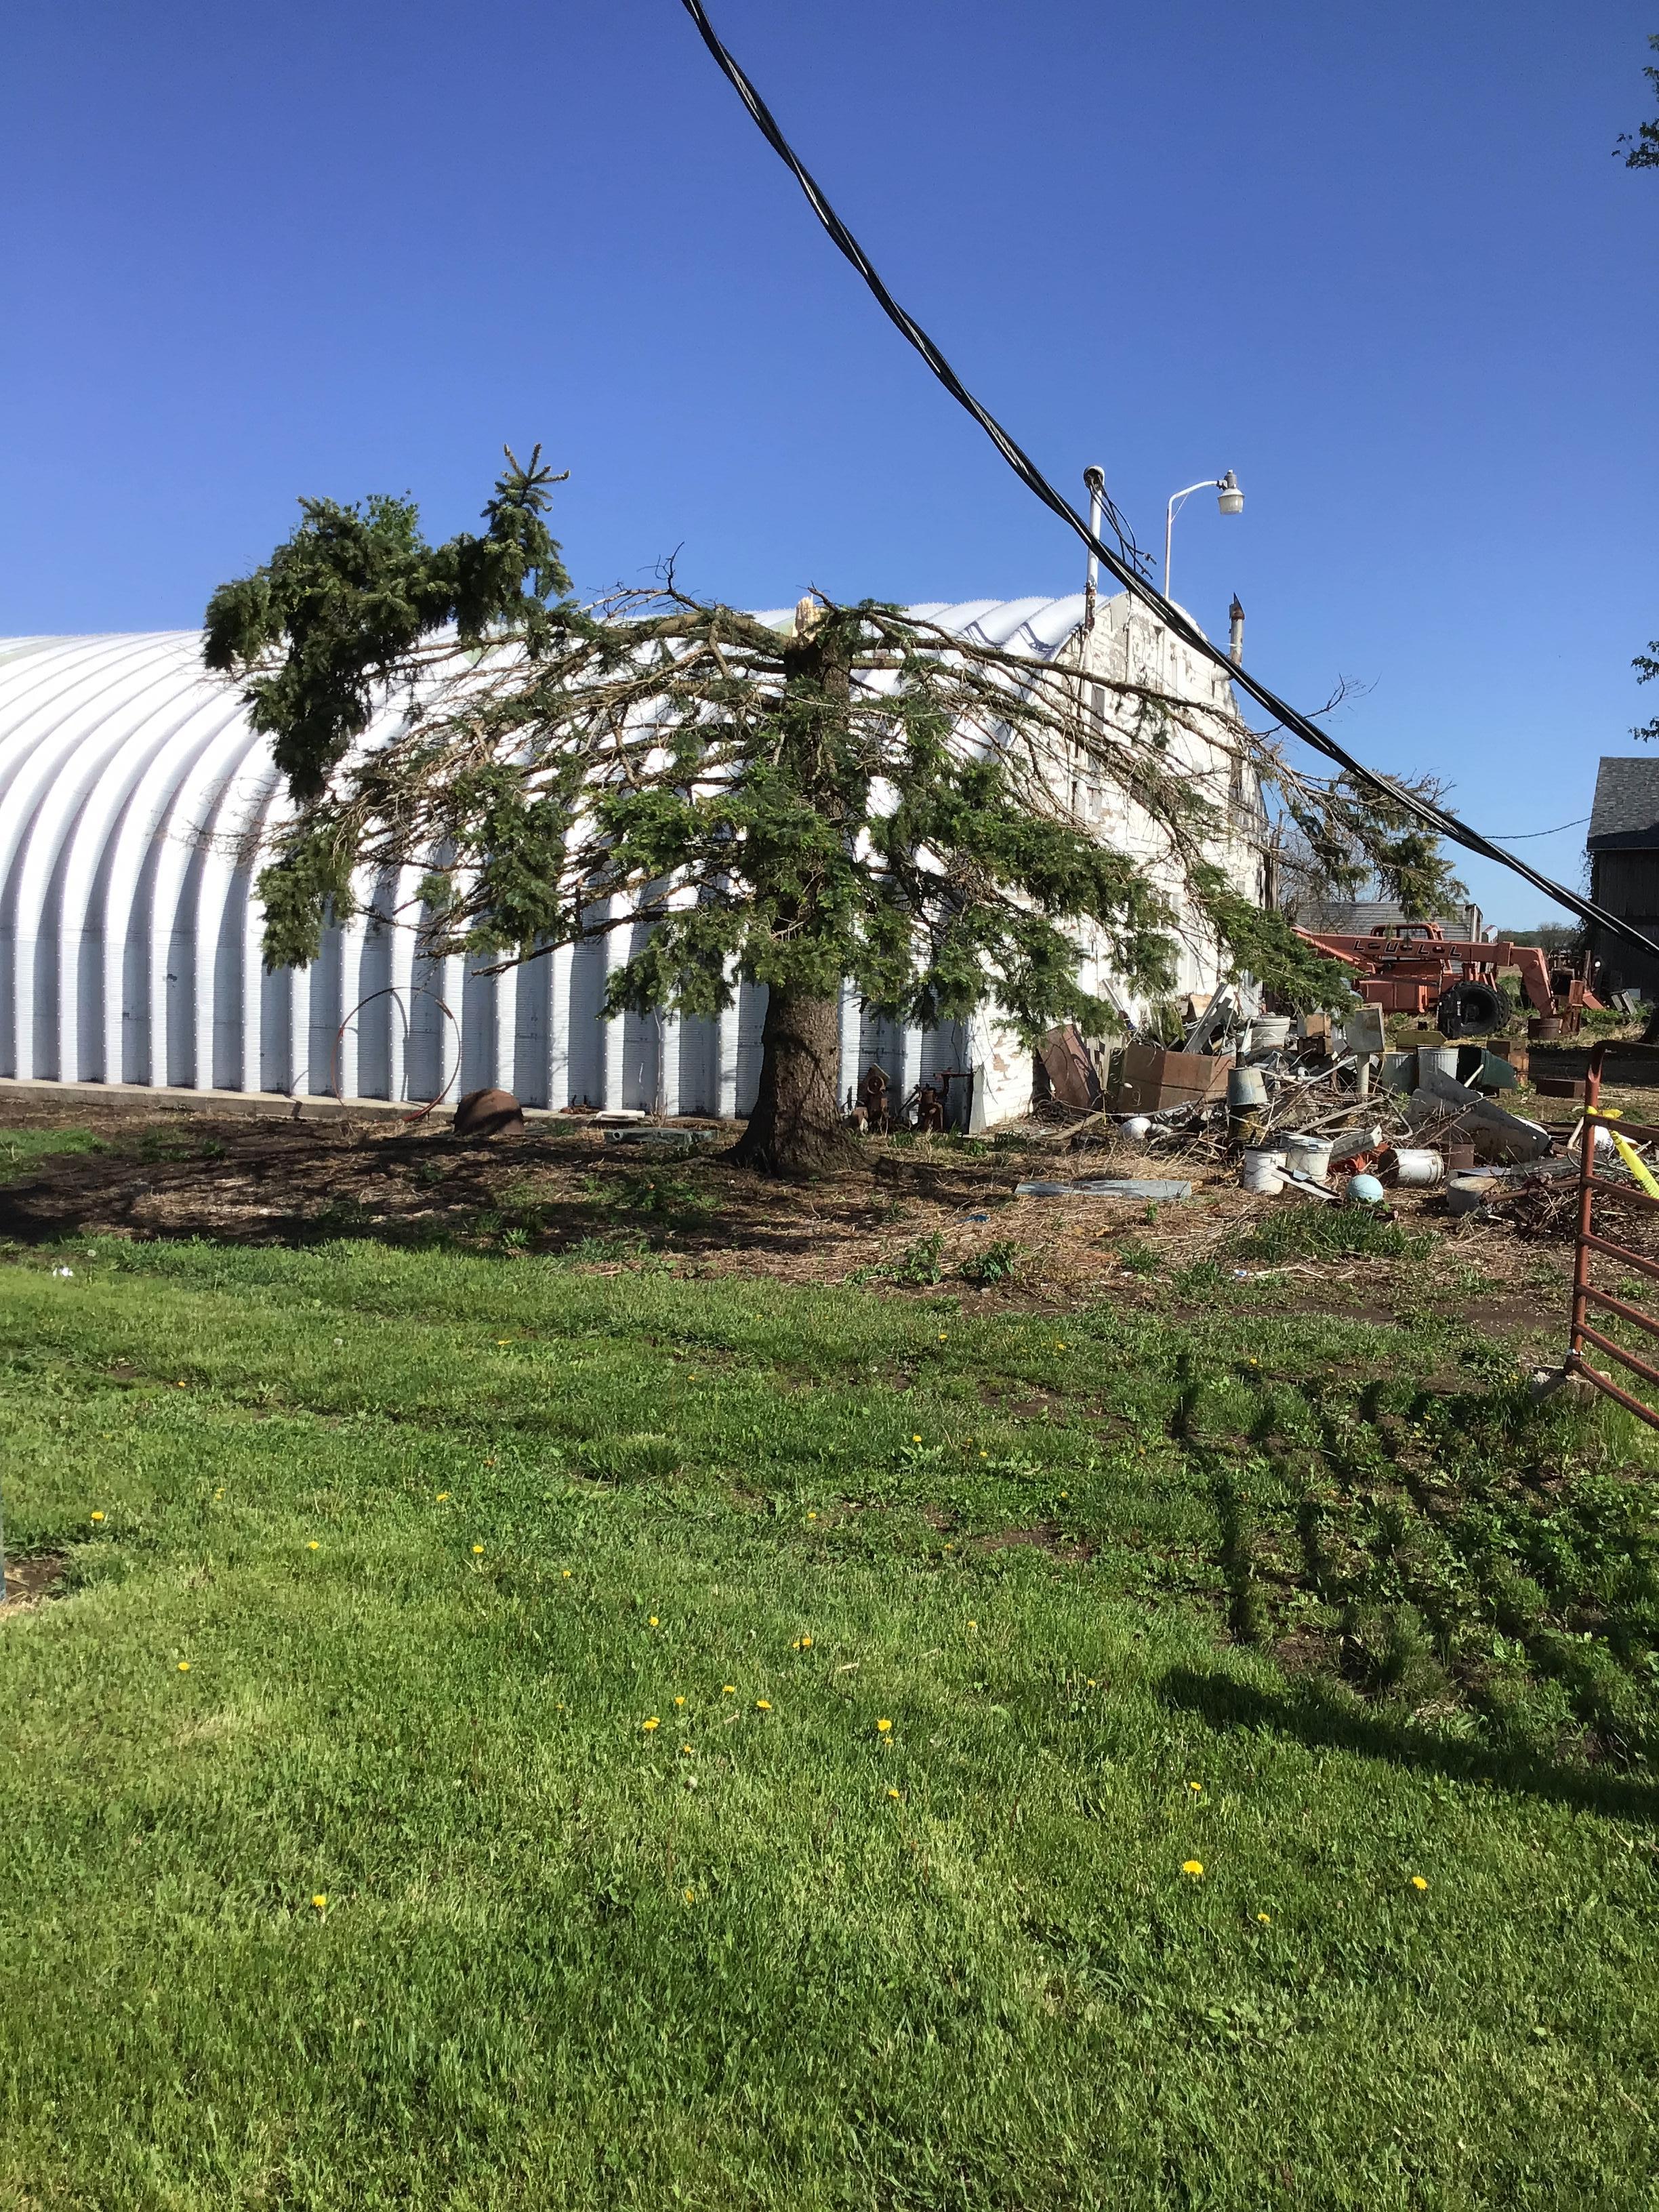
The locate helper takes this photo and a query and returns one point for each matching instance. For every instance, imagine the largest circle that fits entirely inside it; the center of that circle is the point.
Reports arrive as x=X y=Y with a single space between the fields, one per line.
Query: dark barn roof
x=1626 y=808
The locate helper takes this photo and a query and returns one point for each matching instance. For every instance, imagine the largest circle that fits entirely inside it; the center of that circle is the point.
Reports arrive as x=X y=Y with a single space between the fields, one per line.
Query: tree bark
x=797 y=1126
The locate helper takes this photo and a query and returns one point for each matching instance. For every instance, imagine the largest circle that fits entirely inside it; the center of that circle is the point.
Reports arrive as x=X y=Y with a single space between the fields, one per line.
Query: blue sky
x=1381 y=263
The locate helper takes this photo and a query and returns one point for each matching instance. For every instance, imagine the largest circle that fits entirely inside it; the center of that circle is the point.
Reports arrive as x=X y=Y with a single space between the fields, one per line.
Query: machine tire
x=1469 y=1008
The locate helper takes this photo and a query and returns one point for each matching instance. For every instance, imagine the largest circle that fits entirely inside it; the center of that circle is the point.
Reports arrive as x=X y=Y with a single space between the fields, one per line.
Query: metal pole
x=1094 y=478
x=1203 y=484
x=1168 y=539
x=1588 y=1132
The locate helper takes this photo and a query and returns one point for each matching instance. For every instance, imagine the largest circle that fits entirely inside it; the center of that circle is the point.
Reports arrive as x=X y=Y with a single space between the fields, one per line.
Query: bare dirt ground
x=920 y=1216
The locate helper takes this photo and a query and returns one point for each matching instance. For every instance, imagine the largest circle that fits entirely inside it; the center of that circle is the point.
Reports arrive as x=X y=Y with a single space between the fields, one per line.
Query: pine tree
x=864 y=796
x=1641 y=146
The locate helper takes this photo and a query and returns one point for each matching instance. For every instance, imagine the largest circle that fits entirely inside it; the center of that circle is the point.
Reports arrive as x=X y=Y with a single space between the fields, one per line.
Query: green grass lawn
x=21 y=1148
x=516 y=1737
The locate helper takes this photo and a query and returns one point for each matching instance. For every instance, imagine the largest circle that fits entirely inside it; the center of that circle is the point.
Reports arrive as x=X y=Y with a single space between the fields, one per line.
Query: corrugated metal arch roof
x=1036 y=626
x=134 y=800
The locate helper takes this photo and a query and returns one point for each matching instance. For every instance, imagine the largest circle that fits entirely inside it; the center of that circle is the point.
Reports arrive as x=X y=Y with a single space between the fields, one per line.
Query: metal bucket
x=1437 y=1060
x=1247 y=1104
x=1468 y=1194
x=1262 y=1172
x=1399 y=1071
x=1270 y=1032
x=1417 y=1167
x=1309 y=1156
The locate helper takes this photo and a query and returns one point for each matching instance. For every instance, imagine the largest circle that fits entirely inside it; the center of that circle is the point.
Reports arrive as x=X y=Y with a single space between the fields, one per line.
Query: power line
x=1124 y=568
x=1519 y=836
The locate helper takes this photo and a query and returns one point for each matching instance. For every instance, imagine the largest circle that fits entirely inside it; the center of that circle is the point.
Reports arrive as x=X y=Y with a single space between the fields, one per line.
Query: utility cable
x=1520 y=836
x=1123 y=566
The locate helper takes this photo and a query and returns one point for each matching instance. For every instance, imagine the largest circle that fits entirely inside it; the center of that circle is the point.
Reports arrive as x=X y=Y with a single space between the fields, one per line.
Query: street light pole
x=1095 y=479
x=1232 y=501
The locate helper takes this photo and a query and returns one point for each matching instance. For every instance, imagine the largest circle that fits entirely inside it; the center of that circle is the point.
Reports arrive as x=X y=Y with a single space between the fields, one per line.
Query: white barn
x=136 y=804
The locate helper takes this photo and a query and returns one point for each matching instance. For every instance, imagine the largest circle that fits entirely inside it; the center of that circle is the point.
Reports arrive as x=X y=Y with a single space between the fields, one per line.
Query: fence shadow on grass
x=1326 y=1719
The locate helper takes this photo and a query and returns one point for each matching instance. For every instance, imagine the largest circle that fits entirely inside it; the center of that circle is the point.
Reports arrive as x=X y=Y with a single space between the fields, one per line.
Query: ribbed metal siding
x=134 y=804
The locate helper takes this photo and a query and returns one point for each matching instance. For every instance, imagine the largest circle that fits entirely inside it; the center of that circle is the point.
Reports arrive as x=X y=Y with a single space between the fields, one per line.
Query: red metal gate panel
x=1590 y=1240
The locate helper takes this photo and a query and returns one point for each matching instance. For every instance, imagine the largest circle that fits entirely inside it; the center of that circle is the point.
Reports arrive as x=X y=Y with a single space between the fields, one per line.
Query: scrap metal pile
x=1321 y=1108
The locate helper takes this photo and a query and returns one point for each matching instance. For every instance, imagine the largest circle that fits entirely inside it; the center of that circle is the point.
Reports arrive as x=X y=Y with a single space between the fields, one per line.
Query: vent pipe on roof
x=1236 y=636
x=1094 y=480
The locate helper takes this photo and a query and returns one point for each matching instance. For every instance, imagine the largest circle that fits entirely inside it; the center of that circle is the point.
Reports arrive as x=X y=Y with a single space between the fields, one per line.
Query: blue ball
x=1364 y=1190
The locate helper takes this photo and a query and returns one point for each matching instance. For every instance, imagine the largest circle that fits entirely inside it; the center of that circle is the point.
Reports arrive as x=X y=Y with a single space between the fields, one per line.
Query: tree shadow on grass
x=1323 y=1717
x=297 y=1184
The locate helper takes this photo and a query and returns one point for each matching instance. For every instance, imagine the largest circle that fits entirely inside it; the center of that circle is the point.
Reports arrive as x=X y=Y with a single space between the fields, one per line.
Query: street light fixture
x=1231 y=501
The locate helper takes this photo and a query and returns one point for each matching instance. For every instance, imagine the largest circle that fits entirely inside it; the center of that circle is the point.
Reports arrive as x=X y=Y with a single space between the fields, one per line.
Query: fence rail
x=1589 y=1239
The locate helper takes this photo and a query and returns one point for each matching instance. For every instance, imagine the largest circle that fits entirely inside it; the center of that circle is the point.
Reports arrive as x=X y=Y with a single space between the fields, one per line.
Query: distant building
x=1623 y=845
x=1360 y=918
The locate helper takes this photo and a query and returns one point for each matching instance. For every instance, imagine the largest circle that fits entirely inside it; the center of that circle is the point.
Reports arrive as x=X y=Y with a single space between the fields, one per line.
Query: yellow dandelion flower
x=1194 y=1867
x=972 y=1624
x=761 y=1705
x=811 y=1516
x=685 y=1749
x=654 y=1722
x=503 y=1340
x=97 y=1517
x=892 y=1793
x=943 y=1338
x=884 y=1727
x=184 y=1666
x=1060 y=1347
x=1417 y=1882
x=1065 y=1494
x=1195 y=1787
x=218 y=1493
x=985 y=1455
x=916 y=1440
x=313 y=1545
x=679 y=1701
x=1265 y=1918
x=690 y=1896
x=565 y=1576
x=321 y=1901
x=651 y=1621
x=477 y=1549
x=728 y=1689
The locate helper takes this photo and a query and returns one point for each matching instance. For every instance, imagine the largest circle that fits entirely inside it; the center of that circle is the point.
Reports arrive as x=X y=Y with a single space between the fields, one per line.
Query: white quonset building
x=135 y=806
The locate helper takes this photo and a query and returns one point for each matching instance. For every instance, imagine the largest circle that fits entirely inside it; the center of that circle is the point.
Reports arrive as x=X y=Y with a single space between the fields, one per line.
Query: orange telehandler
x=1414 y=968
